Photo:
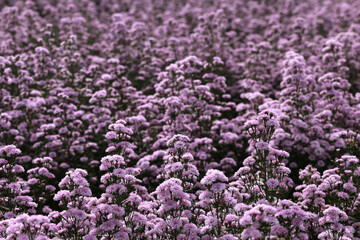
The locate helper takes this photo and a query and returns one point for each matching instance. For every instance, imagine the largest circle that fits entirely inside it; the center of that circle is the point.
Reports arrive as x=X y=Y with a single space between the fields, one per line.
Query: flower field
x=179 y=119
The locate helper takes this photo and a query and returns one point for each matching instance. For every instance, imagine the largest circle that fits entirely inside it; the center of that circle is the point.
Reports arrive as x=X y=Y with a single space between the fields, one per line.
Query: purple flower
x=272 y=183
x=262 y=145
x=250 y=233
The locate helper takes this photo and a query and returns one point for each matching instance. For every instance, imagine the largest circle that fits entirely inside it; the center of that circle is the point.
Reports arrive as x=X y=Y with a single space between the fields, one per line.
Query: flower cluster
x=199 y=120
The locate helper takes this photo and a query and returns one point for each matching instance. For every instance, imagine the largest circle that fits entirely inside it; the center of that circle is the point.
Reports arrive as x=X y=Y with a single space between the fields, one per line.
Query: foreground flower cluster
x=179 y=120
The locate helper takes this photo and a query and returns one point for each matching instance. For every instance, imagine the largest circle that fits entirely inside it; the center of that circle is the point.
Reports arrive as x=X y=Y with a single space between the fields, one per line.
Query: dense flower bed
x=159 y=119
